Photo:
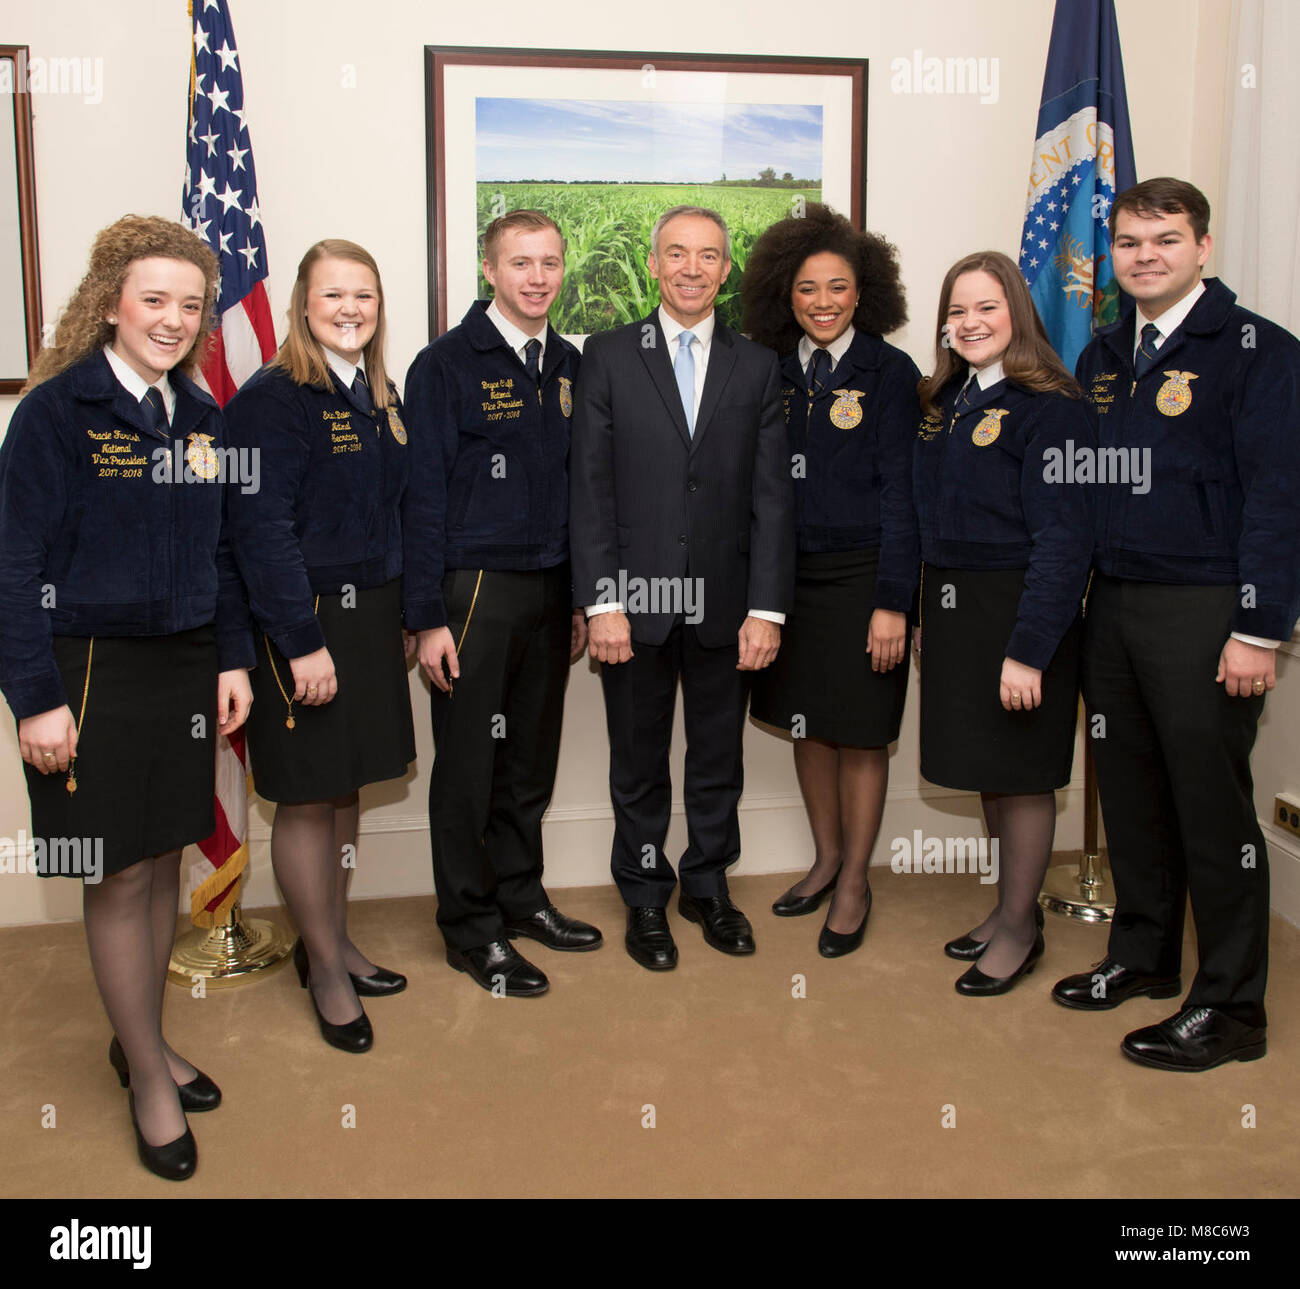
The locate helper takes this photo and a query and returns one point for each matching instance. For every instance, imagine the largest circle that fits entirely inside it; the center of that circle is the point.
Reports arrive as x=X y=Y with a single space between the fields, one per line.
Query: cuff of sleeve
x=1263 y=622
x=1031 y=649
x=896 y=597
x=768 y=615
x=39 y=694
x=424 y=615
x=1258 y=641
x=592 y=609
x=235 y=651
x=301 y=640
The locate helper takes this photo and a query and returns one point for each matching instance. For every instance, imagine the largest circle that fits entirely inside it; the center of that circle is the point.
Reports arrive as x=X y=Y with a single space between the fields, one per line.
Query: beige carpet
x=754 y=1092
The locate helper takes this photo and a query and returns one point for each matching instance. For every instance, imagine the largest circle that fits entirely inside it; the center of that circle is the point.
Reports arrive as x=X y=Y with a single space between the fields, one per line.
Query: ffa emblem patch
x=566 y=396
x=929 y=428
x=989 y=428
x=846 y=411
x=395 y=424
x=1175 y=396
x=201 y=456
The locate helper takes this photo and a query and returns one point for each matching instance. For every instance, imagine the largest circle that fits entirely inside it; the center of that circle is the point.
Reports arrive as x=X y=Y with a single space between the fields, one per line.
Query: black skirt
x=823 y=671
x=968 y=739
x=145 y=769
x=364 y=734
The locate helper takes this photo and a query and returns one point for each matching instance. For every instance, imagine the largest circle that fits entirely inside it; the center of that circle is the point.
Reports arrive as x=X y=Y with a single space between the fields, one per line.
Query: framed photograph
x=605 y=142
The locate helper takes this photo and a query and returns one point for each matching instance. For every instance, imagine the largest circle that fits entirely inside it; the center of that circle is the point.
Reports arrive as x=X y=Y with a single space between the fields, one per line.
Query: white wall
x=946 y=175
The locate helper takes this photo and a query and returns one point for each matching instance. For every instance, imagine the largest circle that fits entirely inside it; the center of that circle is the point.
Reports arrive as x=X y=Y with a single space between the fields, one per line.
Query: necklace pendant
x=71 y=784
x=289 y=723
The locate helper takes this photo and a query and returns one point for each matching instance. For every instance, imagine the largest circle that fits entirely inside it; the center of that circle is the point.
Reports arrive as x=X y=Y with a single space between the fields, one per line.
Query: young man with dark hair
x=1197 y=582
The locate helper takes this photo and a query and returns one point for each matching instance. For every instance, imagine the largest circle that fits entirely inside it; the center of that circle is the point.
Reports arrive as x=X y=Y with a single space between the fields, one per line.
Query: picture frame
x=603 y=141
x=20 y=274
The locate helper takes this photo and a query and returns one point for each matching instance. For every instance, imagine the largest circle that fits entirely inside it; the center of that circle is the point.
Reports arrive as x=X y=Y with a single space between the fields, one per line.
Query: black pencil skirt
x=823 y=671
x=968 y=739
x=146 y=753
x=364 y=734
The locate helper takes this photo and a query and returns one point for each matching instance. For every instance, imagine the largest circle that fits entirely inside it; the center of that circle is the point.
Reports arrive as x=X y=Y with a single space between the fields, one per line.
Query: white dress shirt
x=137 y=386
x=516 y=339
x=346 y=371
x=837 y=348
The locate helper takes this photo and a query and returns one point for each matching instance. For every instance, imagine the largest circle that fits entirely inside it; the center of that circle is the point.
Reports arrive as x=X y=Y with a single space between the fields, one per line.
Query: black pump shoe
x=795 y=906
x=199 y=1094
x=966 y=948
x=379 y=984
x=356 y=1035
x=175 y=1161
x=831 y=944
x=975 y=984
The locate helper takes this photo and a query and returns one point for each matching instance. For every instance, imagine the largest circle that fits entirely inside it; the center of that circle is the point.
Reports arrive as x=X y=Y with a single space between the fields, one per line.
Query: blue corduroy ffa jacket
x=990 y=493
x=489 y=461
x=328 y=512
x=1218 y=420
x=853 y=475
x=98 y=537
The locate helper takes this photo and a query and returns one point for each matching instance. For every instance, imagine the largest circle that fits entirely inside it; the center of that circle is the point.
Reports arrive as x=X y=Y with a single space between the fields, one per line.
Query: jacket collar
x=92 y=381
x=863 y=354
x=1209 y=315
x=483 y=336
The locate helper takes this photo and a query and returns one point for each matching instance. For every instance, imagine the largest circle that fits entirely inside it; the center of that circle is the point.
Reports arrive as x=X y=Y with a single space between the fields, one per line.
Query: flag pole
x=223 y=947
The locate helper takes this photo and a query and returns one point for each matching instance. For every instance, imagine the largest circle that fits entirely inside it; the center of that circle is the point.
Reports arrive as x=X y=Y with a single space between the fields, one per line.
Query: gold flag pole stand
x=232 y=951
x=1082 y=891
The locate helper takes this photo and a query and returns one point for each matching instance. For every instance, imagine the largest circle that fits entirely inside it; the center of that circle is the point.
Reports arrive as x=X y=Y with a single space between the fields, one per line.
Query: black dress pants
x=497 y=743
x=640 y=696
x=1173 y=771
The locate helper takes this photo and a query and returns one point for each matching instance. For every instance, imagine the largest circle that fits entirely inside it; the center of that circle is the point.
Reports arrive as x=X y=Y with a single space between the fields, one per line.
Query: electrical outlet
x=1286 y=812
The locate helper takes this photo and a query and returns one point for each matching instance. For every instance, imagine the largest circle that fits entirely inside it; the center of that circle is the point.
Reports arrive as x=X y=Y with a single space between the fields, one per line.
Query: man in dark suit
x=682 y=539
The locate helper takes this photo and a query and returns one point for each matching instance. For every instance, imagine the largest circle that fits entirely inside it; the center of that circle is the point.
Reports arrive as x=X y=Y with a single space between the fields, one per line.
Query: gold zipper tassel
x=71 y=784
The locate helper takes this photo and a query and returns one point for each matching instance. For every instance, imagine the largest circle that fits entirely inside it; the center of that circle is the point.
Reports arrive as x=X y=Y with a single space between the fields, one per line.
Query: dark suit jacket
x=648 y=501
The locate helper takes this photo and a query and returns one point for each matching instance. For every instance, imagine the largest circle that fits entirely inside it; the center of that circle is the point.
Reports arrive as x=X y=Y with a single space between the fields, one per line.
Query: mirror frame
x=25 y=179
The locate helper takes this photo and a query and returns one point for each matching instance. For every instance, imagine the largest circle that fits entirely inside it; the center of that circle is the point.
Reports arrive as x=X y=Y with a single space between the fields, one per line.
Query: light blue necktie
x=684 y=370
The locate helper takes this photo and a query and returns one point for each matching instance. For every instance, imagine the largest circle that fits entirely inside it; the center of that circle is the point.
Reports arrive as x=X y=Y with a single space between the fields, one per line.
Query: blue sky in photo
x=576 y=139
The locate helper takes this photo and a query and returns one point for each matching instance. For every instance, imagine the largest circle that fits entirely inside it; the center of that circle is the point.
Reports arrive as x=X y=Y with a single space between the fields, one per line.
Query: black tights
x=844 y=792
x=1024 y=827
x=130 y=924
x=307 y=853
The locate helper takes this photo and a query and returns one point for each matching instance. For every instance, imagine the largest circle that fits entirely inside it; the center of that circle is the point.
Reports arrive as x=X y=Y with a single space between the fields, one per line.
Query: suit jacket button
x=681 y=539
x=690 y=487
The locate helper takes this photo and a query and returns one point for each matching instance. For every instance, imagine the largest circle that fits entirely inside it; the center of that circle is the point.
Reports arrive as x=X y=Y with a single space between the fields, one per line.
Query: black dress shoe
x=648 y=939
x=200 y=1093
x=725 y=927
x=831 y=944
x=975 y=984
x=1116 y=985
x=556 y=931
x=791 y=905
x=175 y=1161
x=356 y=1035
x=499 y=969
x=966 y=948
x=1198 y=1038
x=378 y=984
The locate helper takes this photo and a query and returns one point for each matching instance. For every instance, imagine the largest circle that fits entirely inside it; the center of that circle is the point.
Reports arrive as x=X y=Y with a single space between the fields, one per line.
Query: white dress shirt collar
x=1169 y=321
x=702 y=330
x=837 y=348
x=516 y=339
x=989 y=376
x=136 y=385
x=346 y=371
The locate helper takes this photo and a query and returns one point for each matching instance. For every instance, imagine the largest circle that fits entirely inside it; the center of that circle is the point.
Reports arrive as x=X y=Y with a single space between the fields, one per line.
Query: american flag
x=220 y=204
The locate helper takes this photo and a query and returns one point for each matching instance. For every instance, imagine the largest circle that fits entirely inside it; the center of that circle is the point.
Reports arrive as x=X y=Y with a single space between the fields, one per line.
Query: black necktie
x=963 y=399
x=361 y=388
x=819 y=372
x=1147 y=352
x=154 y=409
x=532 y=355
